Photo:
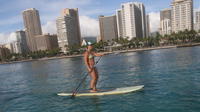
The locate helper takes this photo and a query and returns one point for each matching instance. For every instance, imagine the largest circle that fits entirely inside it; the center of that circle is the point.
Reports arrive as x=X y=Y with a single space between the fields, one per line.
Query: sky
x=89 y=10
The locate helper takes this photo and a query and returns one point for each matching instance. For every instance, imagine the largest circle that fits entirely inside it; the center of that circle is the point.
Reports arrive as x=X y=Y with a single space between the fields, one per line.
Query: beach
x=113 y=52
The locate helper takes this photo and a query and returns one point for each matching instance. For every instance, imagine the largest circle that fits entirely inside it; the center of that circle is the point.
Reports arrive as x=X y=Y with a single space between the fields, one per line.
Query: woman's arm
x=98 y=54
x=87 y=61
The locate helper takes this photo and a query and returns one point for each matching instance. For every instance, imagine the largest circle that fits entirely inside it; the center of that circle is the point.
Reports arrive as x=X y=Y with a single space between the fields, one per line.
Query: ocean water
x=171 y=78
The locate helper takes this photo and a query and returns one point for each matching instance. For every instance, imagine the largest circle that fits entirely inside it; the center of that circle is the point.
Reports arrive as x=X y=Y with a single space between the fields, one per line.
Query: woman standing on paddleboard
x=90 y=63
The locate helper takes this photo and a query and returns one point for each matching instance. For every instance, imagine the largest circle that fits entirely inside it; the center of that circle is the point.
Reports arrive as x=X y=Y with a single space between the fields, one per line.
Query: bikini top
x=90 y=56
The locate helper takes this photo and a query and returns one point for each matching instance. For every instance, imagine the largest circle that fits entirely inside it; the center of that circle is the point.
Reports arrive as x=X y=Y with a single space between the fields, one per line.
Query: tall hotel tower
x=119 y=23
x=108 y=28
x=68 y=29
x=165 y=22
x=147 y=26
x=197 y=20
x=132 y=18
x=182 y=15
x=32 y=26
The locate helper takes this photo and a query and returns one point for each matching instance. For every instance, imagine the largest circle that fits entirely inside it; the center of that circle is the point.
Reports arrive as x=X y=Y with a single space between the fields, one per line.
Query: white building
x=22 y=40
x=197 y=21
x=16 y=47
x=68 y=29
x=182 y=15
x=119 y=23
x=148 y=30
x=133 y=19
x=9 y=46
x=20 y=44
x=165 y=22
x=98 y=38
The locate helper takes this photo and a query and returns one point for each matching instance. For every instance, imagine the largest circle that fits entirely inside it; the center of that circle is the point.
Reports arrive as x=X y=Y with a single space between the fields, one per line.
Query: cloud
x=49 y=27
x=154 y=21
x=89 y=27
x=7 y=38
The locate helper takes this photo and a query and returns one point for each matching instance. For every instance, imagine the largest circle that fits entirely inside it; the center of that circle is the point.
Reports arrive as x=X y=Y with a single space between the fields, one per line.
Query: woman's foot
x=93 y=91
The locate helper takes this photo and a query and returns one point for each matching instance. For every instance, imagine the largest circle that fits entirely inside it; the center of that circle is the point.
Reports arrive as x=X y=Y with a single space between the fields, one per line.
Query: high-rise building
x=133 y=20
x=9 y=46
x=32 y=26
x=21 y=39
x=46 y=42
x=141 y=8
x=16 y=47
x=182 y=15
x=20 y=44
x=197 y=20
x=108 y=28
x=165 y=22
x=119 y=23
x=98 y=38
x=147 y=26
x=68 y=29
x=4 y=53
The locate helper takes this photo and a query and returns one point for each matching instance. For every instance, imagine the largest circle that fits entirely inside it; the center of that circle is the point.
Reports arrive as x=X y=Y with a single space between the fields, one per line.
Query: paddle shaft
x=77 y=88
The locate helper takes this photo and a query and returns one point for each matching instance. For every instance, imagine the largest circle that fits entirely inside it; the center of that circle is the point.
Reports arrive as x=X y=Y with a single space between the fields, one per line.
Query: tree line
x=180 y=38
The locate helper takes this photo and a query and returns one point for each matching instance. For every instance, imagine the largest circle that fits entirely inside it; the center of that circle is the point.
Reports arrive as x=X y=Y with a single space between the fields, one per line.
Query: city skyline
x=10 y=23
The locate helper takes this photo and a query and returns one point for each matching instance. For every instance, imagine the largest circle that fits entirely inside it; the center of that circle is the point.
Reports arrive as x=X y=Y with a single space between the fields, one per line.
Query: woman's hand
x=90 y=69
x=102 y=54
x=99 y=54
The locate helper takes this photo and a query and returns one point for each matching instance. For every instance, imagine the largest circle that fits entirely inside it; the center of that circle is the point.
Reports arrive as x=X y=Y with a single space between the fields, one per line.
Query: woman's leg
x=93 y=81
x=96 y=77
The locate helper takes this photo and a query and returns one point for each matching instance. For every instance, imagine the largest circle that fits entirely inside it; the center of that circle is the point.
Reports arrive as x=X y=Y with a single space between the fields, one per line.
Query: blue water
x=171 y=78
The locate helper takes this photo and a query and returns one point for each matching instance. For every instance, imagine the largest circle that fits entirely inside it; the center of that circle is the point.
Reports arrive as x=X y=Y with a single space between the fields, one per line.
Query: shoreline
x=113 y=52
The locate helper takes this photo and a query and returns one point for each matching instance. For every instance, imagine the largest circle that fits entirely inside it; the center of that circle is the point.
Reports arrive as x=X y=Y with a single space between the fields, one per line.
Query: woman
x=90 y=62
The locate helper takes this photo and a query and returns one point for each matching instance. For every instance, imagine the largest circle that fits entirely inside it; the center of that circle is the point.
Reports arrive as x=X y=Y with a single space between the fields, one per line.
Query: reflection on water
x=96 y=100
x=171 y=78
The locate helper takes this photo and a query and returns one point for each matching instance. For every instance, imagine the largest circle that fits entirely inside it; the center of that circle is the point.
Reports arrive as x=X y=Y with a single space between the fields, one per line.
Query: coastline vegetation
x=175 y=39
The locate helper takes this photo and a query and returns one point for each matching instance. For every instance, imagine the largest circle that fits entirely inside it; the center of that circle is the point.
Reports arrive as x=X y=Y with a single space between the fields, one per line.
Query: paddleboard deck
x=122 y=90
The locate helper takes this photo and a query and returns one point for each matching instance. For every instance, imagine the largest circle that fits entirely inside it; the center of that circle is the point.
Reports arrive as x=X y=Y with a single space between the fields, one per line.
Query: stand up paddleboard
x=122 y=90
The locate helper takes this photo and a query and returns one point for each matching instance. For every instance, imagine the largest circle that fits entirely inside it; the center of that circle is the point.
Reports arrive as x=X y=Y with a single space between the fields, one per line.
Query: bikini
x=91 y=56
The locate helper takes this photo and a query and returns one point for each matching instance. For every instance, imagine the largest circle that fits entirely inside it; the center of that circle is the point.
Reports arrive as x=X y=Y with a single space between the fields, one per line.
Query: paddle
x=87 y=73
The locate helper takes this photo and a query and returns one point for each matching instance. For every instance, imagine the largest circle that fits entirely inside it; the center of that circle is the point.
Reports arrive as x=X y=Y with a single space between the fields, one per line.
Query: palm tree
x=192 y=35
